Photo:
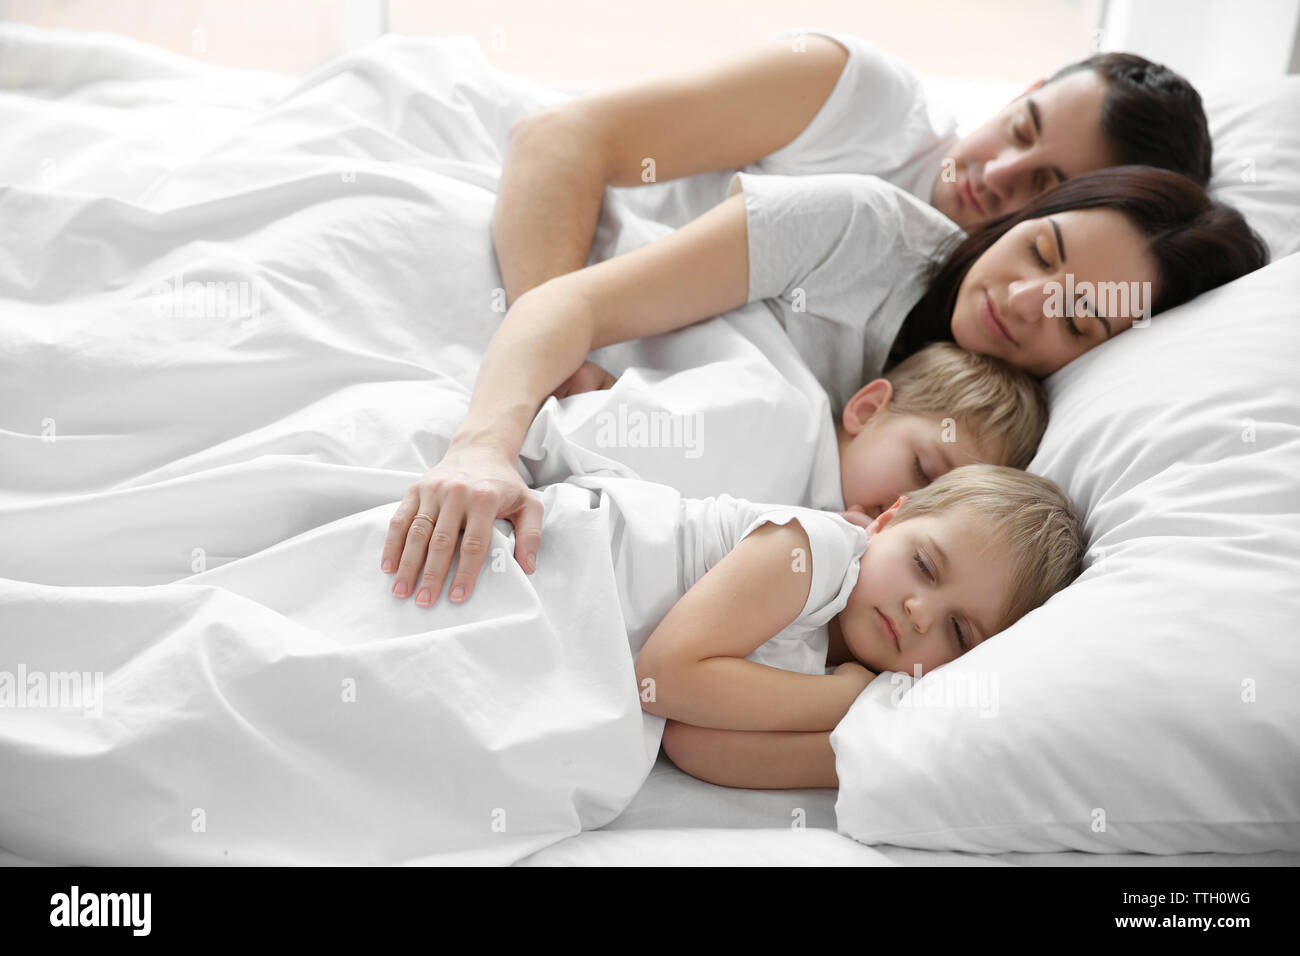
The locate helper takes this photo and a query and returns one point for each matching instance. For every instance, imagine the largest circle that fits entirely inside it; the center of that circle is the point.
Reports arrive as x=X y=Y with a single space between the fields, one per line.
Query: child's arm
x=695 y=657
x=754 y=759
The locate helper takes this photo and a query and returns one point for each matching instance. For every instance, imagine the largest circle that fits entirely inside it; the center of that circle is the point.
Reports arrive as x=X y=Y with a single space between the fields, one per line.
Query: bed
x=209 y=388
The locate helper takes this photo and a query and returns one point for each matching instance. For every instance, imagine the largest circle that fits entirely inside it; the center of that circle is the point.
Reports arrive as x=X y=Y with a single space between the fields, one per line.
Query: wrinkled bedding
x=239 y=319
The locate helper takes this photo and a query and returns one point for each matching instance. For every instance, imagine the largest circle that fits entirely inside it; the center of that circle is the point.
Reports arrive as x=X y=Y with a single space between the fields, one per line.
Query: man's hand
x=465 y=492
x=589 y=378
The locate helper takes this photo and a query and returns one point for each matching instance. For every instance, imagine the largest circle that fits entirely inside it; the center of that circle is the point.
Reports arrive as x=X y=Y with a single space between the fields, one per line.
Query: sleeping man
x=822 y=102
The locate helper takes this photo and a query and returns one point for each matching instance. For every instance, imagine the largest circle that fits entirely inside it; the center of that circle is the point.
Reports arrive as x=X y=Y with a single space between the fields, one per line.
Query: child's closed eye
x=921 y=476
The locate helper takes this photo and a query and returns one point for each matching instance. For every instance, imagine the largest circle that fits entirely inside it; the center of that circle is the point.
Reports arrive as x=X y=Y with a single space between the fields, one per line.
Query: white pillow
x=1154 y=705
x=1256 y=135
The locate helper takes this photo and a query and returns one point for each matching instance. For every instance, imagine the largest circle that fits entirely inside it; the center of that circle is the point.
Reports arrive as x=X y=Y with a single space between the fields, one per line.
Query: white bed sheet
x=676 y=819
x=219 y=371
x=728 y=846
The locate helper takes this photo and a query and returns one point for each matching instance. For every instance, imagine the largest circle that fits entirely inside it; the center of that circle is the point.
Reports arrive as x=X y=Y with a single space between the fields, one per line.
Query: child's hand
x=856 y=515
x=589 y=378
x=855 y=672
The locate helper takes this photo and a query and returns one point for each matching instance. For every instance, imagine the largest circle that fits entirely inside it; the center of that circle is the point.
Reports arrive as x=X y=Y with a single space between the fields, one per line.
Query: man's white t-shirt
x=877 y=121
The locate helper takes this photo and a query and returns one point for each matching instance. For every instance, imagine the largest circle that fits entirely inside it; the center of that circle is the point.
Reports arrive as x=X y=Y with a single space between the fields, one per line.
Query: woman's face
x=1053 y=288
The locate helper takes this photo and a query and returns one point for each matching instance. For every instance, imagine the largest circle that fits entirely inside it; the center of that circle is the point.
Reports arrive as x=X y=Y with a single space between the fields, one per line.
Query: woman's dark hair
x=1151 y=115
x=1196 y=242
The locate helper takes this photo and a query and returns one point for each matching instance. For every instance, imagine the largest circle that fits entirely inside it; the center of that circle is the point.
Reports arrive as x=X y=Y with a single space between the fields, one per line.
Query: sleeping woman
x=848 y=266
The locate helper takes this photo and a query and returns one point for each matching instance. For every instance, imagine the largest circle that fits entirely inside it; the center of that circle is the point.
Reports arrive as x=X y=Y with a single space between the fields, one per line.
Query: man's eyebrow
x=1036 y=118
x=1060 y=243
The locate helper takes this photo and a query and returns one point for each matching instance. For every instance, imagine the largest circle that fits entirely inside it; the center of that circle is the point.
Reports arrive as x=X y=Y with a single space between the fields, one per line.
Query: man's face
x=1049 y=134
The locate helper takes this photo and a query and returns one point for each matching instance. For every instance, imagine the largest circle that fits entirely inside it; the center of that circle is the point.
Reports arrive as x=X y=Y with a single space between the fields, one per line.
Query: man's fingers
x=528 y=532
x=397 y=528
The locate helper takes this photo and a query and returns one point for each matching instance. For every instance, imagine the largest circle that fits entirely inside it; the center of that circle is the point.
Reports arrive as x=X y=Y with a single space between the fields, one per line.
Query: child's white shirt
x=662 y=543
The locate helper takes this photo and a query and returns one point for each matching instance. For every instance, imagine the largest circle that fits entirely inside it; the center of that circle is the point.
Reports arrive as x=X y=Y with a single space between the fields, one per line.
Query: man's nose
x=1001 y=177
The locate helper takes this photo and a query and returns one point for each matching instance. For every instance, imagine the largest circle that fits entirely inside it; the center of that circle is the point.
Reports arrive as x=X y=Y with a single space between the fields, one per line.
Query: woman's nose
x=1025 y=298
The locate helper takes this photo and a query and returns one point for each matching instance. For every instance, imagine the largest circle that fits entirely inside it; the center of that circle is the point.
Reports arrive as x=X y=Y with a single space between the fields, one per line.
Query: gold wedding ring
x=428 y=518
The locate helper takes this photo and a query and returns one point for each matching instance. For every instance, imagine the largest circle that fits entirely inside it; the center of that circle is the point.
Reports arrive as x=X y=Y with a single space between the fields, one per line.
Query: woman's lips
x=888 y=626
x=990 y=317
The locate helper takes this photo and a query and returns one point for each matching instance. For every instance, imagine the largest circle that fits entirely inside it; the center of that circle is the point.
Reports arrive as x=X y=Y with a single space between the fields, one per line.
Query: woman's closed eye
x=1038 y=256
x=1070 y=325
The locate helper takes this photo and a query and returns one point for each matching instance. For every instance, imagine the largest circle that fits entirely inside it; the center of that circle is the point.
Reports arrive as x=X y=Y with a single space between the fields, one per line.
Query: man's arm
x=760 y=760
x=724 y=116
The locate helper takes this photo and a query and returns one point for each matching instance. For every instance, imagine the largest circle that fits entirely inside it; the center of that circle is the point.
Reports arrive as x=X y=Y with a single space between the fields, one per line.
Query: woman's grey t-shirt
x=840 y=259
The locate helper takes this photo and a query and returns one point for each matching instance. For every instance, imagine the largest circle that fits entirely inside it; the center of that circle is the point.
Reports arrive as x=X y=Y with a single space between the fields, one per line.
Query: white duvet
x=231 y=335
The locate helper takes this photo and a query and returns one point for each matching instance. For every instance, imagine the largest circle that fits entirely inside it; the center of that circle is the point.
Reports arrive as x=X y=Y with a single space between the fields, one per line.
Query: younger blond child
x=937 y=573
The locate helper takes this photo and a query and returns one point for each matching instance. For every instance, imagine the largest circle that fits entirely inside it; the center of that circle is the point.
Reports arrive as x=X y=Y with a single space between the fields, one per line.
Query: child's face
x=884 y=455
x=929 y=589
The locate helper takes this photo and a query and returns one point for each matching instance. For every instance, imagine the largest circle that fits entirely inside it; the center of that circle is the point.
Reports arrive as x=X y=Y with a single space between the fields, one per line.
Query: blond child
x=937 y=573
x=735 y=610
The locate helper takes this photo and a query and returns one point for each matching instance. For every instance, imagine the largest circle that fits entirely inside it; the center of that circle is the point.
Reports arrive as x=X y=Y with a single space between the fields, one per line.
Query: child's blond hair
x=1030 y=513
x=995 y=400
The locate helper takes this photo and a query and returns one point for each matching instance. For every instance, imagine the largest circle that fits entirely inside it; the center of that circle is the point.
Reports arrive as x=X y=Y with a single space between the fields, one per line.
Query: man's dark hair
x=1151 y=115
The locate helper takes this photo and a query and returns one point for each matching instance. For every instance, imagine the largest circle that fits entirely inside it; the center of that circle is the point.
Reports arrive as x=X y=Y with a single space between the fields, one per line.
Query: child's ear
x=870 y=400
x=886 y=516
